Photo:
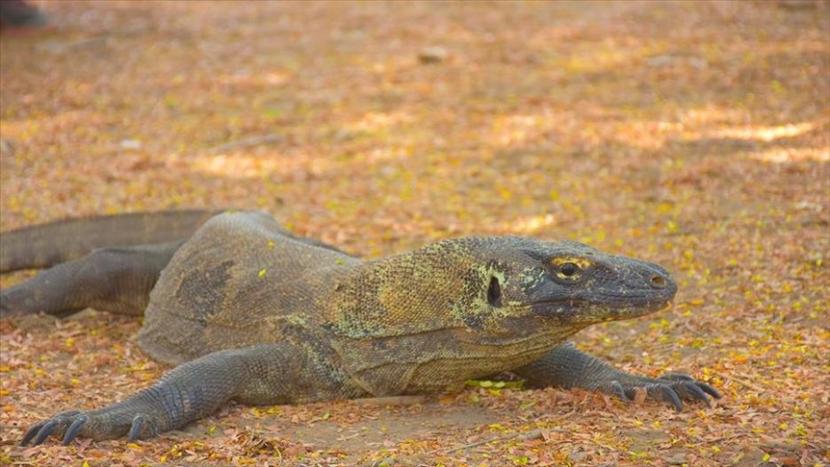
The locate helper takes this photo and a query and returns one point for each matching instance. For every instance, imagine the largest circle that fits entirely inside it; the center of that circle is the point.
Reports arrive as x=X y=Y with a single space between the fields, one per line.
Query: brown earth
x=692 y=134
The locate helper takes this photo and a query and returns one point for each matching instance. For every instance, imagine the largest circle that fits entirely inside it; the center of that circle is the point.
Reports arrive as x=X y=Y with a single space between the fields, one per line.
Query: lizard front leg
x=262 y=374
x=565 y=366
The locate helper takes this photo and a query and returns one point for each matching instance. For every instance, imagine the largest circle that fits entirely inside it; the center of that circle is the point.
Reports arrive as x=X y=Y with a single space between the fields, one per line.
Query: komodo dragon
x=252 y=313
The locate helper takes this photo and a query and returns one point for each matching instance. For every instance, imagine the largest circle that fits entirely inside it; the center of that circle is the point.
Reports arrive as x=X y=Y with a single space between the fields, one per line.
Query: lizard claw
x=667 y=394
x=40 y=431
x=45 y=431
x=74 y=428
x=30 y=433
x=140 y=428
x=690 y=388
x=616 y=389
x=69 y=425
x=672 y=388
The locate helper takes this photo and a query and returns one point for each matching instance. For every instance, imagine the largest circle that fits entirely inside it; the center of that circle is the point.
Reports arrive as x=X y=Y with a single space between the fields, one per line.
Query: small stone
x=130 y=144
x=432 y=55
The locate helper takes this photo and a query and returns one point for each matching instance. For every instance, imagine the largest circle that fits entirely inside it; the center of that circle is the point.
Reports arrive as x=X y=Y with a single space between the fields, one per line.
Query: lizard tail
x=45 y=245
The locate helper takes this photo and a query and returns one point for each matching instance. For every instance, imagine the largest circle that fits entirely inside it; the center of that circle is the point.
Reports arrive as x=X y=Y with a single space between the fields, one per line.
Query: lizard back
x=240 y=280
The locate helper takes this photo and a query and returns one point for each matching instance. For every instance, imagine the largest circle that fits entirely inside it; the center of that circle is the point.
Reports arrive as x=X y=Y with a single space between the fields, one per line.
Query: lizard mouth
x=612 y=309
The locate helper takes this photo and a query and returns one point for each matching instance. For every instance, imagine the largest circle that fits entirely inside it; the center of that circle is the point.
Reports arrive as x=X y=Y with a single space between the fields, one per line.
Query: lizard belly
x=438 y=363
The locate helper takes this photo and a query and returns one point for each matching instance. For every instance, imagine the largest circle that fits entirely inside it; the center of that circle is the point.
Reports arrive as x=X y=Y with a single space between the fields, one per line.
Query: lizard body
x=253 y=313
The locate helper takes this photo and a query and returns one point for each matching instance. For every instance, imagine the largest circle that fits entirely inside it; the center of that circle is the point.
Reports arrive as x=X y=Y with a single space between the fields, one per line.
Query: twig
x=524 y=436
x=740 y=381
x=354 y=435
x=533 y=434
x=716 y=440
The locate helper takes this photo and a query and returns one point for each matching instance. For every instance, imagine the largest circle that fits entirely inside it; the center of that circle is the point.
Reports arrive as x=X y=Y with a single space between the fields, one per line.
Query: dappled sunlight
x=765 y=133
x=517 y=129
x=245 y=78
x=375 y=121
x=711 y=114
x=242 y=167
x=386 y=153
x=646 y=134
x=789 y=155
x=529 y=225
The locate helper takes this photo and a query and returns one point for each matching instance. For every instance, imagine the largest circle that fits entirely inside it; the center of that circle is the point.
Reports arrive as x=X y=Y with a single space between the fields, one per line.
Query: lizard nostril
x=658 y=282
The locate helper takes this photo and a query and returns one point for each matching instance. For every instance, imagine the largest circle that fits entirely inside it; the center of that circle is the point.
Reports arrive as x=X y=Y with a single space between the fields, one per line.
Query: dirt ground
x=691 y=134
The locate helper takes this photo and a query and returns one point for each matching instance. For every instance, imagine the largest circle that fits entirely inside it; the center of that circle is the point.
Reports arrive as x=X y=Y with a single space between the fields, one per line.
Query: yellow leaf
x=664 y=208
x=261 y=273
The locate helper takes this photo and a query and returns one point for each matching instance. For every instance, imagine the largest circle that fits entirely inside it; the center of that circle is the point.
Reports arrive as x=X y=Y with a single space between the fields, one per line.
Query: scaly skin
x=252 y=313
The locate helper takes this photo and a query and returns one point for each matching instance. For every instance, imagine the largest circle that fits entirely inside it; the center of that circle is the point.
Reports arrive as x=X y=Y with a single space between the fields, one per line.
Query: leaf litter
x=691 y=134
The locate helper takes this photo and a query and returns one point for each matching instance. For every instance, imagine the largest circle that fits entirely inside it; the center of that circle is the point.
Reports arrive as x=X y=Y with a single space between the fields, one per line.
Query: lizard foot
x=96 y=425
x=672 y=388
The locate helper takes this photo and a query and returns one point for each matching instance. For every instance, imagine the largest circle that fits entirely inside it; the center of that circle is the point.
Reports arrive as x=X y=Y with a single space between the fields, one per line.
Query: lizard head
x=498 y=287
x=568 y=282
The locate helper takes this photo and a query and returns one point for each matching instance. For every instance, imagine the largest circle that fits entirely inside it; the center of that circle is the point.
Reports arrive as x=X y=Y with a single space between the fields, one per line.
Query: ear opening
x=494 y=292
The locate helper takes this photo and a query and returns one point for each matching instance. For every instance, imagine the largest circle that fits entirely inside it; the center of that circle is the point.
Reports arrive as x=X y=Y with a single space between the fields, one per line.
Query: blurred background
x=694 y=134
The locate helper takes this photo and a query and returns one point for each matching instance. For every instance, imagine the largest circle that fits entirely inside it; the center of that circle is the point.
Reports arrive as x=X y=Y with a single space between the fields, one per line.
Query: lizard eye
x=568 y=269
x=568 y=272
x=494 y=292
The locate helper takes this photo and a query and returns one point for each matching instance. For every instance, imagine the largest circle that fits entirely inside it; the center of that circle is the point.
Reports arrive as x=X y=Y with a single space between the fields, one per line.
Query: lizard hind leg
x=118 y=280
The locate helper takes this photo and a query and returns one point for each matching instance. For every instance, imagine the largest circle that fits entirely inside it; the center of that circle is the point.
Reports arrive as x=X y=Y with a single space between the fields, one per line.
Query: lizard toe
x=57 y=425
x=74 y=429
x=45 y=431
x=142 y=427
x=691 y=388
x=666 y=393
x=31 y=433
x=709 y=390
x=691 y=391
x=614 y=388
